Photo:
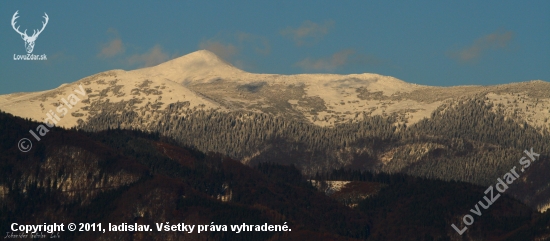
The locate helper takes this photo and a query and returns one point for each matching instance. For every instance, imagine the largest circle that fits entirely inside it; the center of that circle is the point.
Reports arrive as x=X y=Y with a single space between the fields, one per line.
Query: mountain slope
x=467 y=142
x=133 y=177
x=317 y=121
x=205 y=81
x=119 y=176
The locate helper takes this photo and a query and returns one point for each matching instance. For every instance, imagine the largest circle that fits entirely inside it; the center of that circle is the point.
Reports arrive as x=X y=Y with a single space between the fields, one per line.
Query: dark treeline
x=117 y=176
x=123 y=176
x=475 y=120
x=415 y=208
x=468 y=140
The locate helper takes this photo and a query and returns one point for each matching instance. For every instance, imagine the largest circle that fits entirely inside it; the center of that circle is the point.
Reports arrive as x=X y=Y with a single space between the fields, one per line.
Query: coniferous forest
x=128 y=176
x=468 y=140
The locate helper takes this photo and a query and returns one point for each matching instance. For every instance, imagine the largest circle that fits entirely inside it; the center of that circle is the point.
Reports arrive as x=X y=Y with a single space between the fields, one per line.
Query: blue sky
x=440 y=43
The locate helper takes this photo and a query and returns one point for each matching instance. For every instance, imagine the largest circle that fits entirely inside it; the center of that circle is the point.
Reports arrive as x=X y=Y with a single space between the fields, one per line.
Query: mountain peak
x=201 y=64
x=200 y=58
x=203 y=54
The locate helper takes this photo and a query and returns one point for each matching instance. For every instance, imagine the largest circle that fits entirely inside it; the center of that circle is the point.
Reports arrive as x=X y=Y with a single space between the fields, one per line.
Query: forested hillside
x=122 y=176
x=468 y=140
x=131 y=177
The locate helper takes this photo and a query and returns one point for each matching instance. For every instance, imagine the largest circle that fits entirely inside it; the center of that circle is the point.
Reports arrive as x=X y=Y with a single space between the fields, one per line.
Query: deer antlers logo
x=29 y=40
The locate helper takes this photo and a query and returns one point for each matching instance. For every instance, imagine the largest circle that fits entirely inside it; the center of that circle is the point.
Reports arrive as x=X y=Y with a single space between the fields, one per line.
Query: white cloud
x=339 y=59
x=235 y=47
x=153 y=57
x=113 y=47
x=224 y=51
x=309 y=32
x=496 y=40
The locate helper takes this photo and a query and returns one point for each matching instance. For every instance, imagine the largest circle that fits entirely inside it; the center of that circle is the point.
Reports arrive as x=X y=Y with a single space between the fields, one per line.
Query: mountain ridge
x=364 y=121
x=205 y=81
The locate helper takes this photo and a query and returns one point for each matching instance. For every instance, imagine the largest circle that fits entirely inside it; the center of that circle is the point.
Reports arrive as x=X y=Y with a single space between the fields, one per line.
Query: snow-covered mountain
x=203 y=80
x=468 y=122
